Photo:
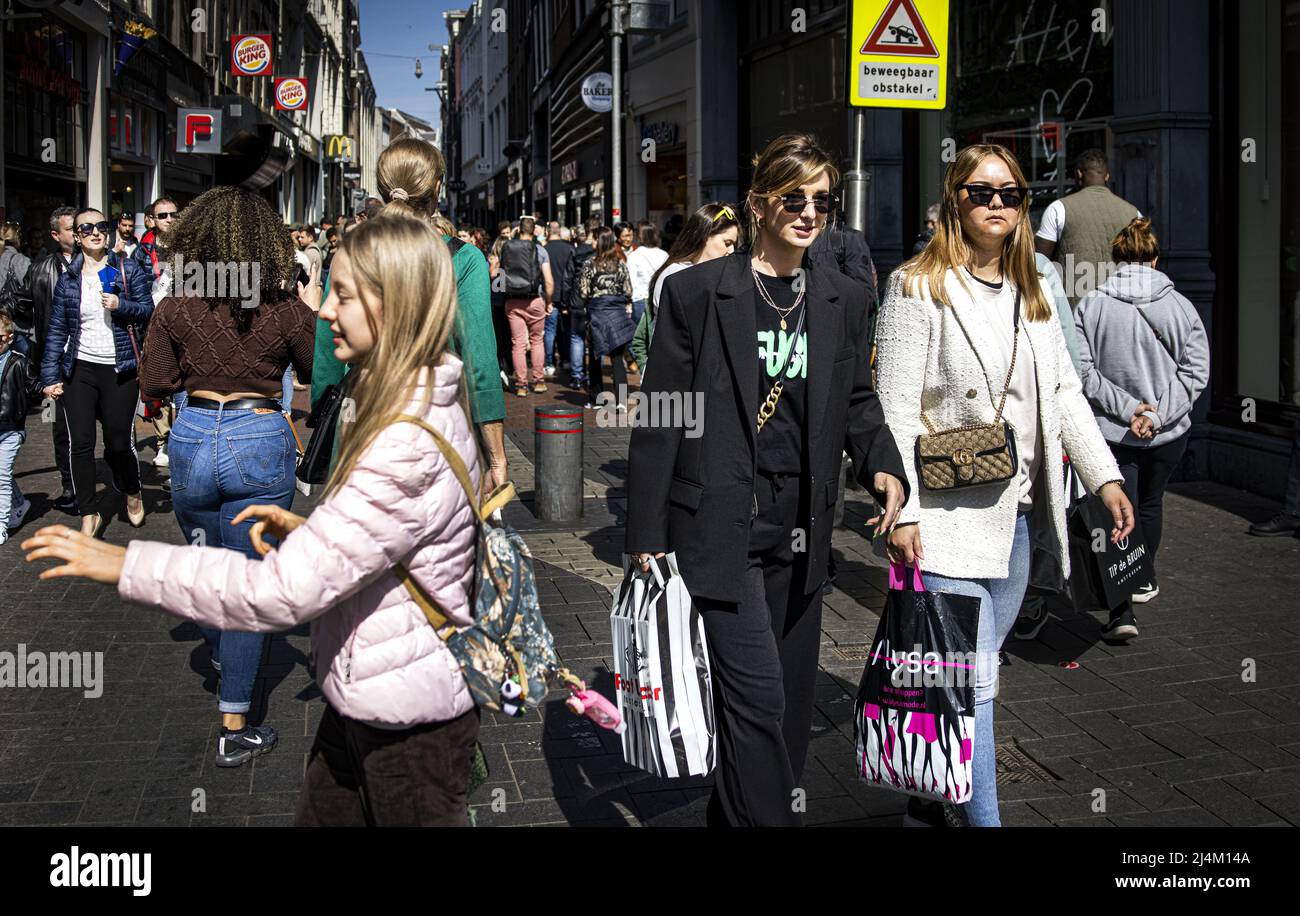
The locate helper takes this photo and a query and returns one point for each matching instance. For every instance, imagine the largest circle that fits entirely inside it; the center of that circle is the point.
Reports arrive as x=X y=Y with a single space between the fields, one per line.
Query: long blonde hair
x=400 y=261
x=949 y=250
x=415 y=168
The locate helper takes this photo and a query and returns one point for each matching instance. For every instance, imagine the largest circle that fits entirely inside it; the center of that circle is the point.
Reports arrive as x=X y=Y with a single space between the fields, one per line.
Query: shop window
x=45 y=95
x=1289 y=291
x=1036 y=78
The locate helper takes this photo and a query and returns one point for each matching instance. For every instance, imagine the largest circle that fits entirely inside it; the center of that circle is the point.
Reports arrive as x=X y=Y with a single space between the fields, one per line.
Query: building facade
x=91 y=115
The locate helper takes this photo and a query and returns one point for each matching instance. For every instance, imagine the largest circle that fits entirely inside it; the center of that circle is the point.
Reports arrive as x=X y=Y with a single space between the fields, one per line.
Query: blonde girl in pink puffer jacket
x=395 y=743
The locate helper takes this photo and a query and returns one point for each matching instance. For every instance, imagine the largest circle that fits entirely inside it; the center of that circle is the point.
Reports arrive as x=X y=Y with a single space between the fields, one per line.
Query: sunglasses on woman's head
x=795 y=203
x=725 y=211
x=89 y=228
x=981 y=195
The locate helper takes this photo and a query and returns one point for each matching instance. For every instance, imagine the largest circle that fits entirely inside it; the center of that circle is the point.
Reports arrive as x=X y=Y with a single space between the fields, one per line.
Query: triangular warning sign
x=900 y=30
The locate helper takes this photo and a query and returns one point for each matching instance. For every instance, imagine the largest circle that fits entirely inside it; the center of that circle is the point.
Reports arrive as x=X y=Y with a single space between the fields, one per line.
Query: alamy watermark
x=240 y=280
x=53 y=669
x=658 y=409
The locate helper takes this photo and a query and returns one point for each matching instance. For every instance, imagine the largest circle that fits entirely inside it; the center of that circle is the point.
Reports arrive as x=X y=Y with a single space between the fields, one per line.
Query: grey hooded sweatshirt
x=1123 y=363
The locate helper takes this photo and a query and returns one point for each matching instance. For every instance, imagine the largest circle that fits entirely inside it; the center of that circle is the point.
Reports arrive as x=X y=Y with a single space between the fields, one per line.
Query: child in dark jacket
x=15 y=384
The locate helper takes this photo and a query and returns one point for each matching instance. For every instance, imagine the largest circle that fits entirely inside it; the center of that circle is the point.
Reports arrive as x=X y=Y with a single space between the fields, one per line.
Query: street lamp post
x=616 y=134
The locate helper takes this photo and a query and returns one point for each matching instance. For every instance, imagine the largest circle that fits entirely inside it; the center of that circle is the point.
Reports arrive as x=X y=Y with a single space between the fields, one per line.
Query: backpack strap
x=495 y=500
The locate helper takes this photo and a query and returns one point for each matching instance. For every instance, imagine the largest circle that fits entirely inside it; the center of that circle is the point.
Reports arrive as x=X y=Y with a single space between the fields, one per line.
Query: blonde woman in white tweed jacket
x=949 y=353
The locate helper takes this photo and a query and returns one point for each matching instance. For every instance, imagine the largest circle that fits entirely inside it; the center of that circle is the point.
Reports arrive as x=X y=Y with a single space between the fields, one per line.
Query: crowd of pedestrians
x=768 y=305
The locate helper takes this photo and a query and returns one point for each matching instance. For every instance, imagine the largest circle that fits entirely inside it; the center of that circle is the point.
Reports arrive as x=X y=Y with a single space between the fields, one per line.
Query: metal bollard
x=557 y=463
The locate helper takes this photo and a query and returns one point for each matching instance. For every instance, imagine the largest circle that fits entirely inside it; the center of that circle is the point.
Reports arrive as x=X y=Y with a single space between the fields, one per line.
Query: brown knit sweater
x=194 y=346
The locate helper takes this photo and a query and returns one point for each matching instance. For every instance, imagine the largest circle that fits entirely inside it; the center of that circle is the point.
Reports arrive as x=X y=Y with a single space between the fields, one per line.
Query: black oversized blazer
x=695 y=495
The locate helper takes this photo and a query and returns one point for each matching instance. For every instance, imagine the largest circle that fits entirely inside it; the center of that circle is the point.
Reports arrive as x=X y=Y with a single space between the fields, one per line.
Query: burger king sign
x=290 y=93
x=250 y=55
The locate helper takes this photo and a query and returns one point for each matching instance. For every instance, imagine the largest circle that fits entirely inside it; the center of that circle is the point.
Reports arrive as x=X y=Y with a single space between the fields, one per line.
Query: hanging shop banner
x=898 y=54
x=250 y=55
x=290 y=93
x=198 y=130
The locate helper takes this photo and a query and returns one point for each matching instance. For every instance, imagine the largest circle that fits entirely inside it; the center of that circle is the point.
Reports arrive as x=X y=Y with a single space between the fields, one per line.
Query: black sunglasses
x=795 y=203
x=168 y=215
x=981 y=195
x=89 y=228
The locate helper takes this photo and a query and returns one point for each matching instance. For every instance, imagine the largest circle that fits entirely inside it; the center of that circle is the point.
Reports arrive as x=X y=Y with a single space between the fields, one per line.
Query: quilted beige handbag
x=973 y=455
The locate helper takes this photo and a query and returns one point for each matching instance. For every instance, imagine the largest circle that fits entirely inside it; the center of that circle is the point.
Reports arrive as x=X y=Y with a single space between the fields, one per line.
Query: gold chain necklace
x=766 y=297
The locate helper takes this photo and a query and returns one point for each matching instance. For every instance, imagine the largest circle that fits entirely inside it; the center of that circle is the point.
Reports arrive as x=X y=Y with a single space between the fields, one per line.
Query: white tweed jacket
x=945 y=359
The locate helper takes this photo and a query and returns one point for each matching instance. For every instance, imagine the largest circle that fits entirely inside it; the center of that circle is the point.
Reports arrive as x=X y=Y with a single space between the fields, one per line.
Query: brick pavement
x=1166 y=726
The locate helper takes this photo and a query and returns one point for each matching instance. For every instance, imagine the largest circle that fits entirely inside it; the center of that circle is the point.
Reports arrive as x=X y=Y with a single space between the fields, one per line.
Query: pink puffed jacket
x=376 y=657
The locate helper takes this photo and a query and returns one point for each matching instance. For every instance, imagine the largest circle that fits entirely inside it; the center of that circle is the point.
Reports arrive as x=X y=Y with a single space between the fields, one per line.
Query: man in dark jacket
x=44 y=275
x=560 y=252
x=574 y=309
x=162 y=212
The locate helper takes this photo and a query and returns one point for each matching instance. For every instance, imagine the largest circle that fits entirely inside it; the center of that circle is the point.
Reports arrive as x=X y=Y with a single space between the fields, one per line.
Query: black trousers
x=1146 y=475
x=362 y=776
x=619 y=371
x=98 y=393
x=763 y=654
x=62 y=449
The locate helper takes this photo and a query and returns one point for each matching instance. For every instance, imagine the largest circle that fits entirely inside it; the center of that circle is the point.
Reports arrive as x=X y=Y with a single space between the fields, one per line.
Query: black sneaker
x=1028 y=625
x=237 y=748
x=1281 y=525
x=66 y=503
x=1121 y=628
x=955 y=815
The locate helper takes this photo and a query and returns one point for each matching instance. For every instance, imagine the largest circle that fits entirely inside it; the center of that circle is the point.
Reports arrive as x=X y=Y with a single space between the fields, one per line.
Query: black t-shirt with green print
x=780 y=442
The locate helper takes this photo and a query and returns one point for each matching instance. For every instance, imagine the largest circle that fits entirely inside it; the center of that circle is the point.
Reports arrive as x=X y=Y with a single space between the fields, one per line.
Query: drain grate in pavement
x=1014 y=765
x=853 y=651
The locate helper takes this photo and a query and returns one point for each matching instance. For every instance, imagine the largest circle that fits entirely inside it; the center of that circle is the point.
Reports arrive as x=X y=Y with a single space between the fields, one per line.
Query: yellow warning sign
x=898 y=53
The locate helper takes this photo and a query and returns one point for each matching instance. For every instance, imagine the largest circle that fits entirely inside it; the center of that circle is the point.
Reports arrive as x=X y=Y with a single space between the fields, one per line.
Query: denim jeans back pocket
x=260 y=457
x=182 y=449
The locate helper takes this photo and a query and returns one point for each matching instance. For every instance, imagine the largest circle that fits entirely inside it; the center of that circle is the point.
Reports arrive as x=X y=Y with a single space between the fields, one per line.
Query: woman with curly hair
x=231 y=446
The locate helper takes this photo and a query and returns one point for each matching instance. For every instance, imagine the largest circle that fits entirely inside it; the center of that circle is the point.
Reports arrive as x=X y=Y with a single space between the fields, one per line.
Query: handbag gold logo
x=963 y=457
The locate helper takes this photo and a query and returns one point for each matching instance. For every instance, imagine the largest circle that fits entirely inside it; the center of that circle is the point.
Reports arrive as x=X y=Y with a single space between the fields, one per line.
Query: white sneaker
x=161 y=460
x=19 y=513
x=549 y=371
x=1146 y=593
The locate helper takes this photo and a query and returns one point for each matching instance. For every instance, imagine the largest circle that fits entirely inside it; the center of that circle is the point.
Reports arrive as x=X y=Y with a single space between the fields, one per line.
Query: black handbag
x=324 y=420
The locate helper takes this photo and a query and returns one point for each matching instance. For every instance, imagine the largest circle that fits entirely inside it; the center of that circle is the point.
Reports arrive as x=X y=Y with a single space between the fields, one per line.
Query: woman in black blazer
x=746 y=500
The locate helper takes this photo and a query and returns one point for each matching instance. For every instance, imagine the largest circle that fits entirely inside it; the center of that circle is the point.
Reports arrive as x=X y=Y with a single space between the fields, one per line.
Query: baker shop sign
x=598 y=92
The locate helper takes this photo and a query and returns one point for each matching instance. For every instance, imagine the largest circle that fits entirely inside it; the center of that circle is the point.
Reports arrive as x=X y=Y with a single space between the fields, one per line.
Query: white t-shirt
x=1053 y=223
x=659 y=284
x=642 y=264
x=1021 y=410
x=95 y=345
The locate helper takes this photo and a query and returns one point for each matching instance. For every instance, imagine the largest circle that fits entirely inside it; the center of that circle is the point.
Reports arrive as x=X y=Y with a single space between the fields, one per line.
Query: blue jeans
x=577 y=350
x=286 y=389
x=221 y=462
x=638 y=309
x=10 y=495
x=548 y=335
x=999 y=606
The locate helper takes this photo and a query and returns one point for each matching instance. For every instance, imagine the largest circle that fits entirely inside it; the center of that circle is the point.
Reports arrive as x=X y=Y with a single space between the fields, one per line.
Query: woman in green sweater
x=410 y=173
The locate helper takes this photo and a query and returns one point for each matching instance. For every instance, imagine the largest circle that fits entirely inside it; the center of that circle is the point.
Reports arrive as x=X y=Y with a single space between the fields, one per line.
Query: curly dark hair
x=227 y=224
